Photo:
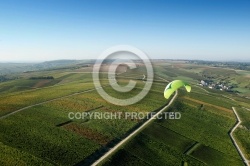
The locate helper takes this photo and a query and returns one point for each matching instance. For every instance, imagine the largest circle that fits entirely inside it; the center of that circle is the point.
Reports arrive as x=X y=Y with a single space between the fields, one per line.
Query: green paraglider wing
x=173 y=86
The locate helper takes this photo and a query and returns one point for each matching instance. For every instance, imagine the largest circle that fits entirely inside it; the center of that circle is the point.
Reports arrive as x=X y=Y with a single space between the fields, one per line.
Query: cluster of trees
x=41 y=77
x=3 y=78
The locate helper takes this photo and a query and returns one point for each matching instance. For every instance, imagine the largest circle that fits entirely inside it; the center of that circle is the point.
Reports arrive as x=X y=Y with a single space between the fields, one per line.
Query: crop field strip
x=19 y=156
x=27 y=84
x=212 y=99
x=62 y=80
x=211 y=105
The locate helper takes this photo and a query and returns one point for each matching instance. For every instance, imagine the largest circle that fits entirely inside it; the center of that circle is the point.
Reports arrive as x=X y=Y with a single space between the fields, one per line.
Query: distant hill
x=10 y=68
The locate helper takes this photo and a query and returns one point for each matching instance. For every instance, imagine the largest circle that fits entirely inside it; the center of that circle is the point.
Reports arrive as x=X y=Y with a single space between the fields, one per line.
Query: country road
x=112 y=150
x=246 y=161
x=163 y=79
x=246 y=108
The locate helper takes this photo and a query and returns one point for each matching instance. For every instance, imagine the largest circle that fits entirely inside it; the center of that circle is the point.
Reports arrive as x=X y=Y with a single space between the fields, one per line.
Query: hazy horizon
x=41 y=61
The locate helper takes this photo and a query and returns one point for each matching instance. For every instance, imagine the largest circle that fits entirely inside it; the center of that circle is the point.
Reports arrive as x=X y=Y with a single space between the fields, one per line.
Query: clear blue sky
x=173 y=29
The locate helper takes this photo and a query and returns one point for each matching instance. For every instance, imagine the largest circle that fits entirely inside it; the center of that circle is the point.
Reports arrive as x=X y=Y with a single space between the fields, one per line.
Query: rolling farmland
x=35 y=127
